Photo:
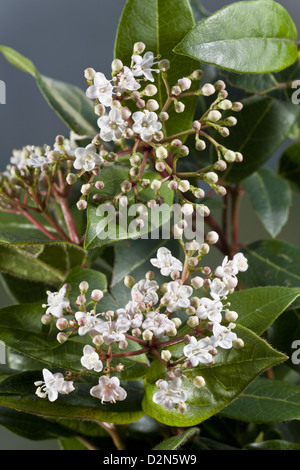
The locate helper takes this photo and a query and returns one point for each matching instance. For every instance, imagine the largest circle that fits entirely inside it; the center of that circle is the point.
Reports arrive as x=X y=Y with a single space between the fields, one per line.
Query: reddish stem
x=39 y=226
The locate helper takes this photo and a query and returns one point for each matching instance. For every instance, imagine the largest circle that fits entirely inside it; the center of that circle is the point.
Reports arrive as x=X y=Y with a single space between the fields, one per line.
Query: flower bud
x=187 y=209
x=99 y=109
x=166 y=355
x=184 y=83
x=125 y=113
x=229 y=156
x=150 y=90
x=62 y=324
x=141 y=104
x=176 y=90
x=173 y=185
x=123 y=344
x=238 y=343
x=155 y=185
x=220 y=165
x=193 y=321
x=238 y=157
x=147 y=335
x=231 y=316
x=116 y=66
x=197 y=282
x=164 y=65
x=200 y=145
x=83 y=287
x=183 y=151
x=99 y=185
x=61 y=337
x=225 y=105
x=179 y=107
x=159 y=135
x=86 y=189
x=136 y=332
x=171 y=331
x=161 y=153
x=208 y=89
x=129 y=281
x=152 y=105
x=126 y=186
x=196 y=125
x=163 y=116
x=71 y=178
x=221 y=191
x=196 y=75
x=214 y=116
x=59 y=139
x=237 y=106
x=54 y=155
x=89 y=74
x=211 y=177
x=199 y=193
x=220 y=85
x=139 y=48
x=181 y=407
x=176 y=143
x=96 y=295
x=177 y=322
x=98 y=340
x=120 y=367
x=199 y=381
x=230 y=121
x=212 y=238
x=47 y=319
x=204 y=249
x=184 y=186
x=81 y=205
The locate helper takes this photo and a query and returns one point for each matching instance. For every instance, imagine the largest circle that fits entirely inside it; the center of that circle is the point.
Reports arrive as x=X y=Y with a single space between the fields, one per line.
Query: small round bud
x=166 y=355
x=230 y=156
x=238 y=343
x=204 y=249
x=145 y=183
x=193 y=262
x=99 y=185
x=99 y=109
x=59 y=139
x=54 y=155
x=177 y=322
x=129 y=281
x=163 y=116
x=152 y=105
x=71 y=178
x=62 y=324
x=139 y=47
x=160 y=166
x=181 y=407
x=184 y=186
x=159 y=135
x=211 y=177
x=212 y=238
x=196 y=125
x=238 y=157
x=220 y=85
x=141 y=104
x=220 y=165
x=125 y=113
x=134 y=171
x=171 y=331
x=116 y=66
x=197 y=282
x=183 y=151
x=149 y=275
x=173 y=185
x=161 y=153
x=123 y=344
x=199 y=193
x=96 y=295
x=231 y=316
x=98 y=340
x=89 y=74
x=136 y=332
x=196 y=75
x=47 y=319
x=83 y=287
x=155 y=185
x=164 y=65
x=179 y=107
x=176 y=90
x=231 y=121
x=80 y=300
x=147 y=335
x=208 y=89
x=193 y=321
x=81 y=205
x=135 y=95
x=225 y=105
x=61 y=337
x=214 y=116
x=170 y=375
x=178 y=232
x=221 y=191
x=199 y=381
x=187 y=209
x=120 y=367
x=237 y=106
x=86 y=189
x=135 y=160
x=200 y=145
x=184 y=83
x=150 y=90
x=126 y=186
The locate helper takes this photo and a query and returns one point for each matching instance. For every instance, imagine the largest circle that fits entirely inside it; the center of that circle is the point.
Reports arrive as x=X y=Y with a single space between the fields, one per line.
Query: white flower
x=230 y=268
x=37 y=161
x=87 y=158
x=240 y=262
x=170 y=394
x=147 y=289
x=112 y=126
x=57 y=302
x=143 y=65
x=209 y=310
x=126 y=81
x=113 y=331
x=102 y=89
x=200 y=351
x=218 y=289
x=166 y=262
x=158 y=323
x=19 y=158
x=88 y=323
x=109 y=390
x=146 y=124
x=132 y=313
x=52 y=385
x=90 y=359
x=223 y=335
x=177 y=296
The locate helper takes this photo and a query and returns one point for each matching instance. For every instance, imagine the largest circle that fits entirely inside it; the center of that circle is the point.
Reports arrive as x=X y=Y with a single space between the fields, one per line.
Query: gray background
x=62 y=38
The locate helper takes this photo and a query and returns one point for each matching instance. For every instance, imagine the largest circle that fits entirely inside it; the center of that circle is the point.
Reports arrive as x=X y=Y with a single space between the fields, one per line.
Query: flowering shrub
x=122 y=316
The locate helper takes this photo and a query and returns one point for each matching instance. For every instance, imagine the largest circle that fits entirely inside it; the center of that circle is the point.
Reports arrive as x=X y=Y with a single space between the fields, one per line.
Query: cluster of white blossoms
x=152 y=319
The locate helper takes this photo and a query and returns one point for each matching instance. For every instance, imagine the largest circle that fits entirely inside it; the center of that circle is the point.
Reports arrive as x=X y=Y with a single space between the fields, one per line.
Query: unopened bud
x=61 y=337
x=161 y=153
x=152 y=105
x=86 y=189
x=184 y=186
x=47 y=319
x=139 y=48
x=163 y=116
x=81 y=204
x=71 y=178
x=99 y=109
x=197 y=282
x=123 y=344
x=129 y=281
x=199 y=381
x=179 y=107
x=200 y=145
x=89 y=74
x=150 y=90
x=211 y=177
x=96 y=295
x=166 y=355
x=126 y=186
x=116 y=66
x=207 y=89
x=238 y=343
x=147 y=335
x=212 y=238
x=62 y=324
x=220 y=165
x=193 y=321
x=231 y=316
x=230 y=156
x=184 y=83
x=164 y=65
x=214 y=116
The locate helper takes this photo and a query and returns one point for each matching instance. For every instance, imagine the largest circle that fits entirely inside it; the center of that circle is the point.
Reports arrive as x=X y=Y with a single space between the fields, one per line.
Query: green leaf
x=271 y=263
x=160 y=25
x=259 y=307
x=289 y=165
x=284 y=335
x=266 y=401
x=21 y=329
x=102 y=227
x=18 y=392
x=271 y=198
x=33 y=261
x=73 y=443
x=248 y=37
x=275 y=444
x=263 y=125
x=68 y=101
x=31 y=427
x=225 y=380
x=178 y=441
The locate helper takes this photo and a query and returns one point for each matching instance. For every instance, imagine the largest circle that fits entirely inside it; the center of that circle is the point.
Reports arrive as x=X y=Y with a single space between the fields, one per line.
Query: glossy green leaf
x=266 y=401
x=259 y=307
x=18 y=392
x=103 y=227
x=225 y=380
x=68 y=101
x=21 y=329
x=285 y=334
x=178 y=441
x=263 y=125
x=248 y=37
x=36 y=261
x=271 y=198
x=289 y=165
x=160 y=25
x=271 y=263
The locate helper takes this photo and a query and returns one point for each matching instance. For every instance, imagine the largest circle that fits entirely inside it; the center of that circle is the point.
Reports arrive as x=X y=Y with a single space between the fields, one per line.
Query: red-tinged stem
x=39 y=226
x=131 y=353
x=55 y=225
x=137 y=340
x=72 y=229
x=112 y=430
x=158 y=356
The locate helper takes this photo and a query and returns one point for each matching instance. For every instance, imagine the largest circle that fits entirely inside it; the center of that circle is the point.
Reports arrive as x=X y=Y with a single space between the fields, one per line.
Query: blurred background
x=62 y=39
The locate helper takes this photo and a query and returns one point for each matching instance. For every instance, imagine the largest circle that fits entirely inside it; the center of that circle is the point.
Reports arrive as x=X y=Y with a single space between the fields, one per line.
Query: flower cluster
x=189 y=310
